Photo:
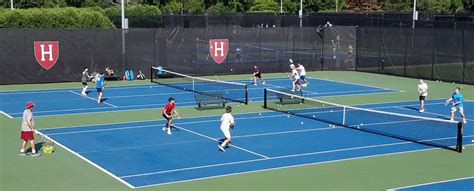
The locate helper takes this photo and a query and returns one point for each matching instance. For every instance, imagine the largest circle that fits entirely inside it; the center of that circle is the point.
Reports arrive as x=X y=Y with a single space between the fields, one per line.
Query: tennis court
x=139 y=155
x=70 y=101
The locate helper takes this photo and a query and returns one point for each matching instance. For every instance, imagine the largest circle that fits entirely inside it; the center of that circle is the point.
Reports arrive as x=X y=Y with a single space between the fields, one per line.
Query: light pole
x=415 y=16
x=336 y=4
x=281 y=6
x=301 y=13
x=11 y=4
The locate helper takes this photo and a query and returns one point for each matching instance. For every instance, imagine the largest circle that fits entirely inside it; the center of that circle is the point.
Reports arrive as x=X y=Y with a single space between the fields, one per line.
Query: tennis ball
x=288 y=116
x=302 y=123
x=259 y=113
x=231 y=69
x=314 y=116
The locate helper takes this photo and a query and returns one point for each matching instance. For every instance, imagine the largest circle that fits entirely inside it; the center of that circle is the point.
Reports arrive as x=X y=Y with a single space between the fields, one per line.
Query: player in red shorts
x=166 y=113
x=27 y=130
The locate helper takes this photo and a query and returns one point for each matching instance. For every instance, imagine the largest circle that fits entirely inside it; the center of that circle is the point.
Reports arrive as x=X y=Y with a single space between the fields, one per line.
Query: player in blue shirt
x=456 y=101
x=99 y=86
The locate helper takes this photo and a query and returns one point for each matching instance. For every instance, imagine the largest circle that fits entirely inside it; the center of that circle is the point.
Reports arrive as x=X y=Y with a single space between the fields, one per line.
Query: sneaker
x=452 y=120
x=84 y=94
x=464 y=121
x=221 y=148
x=164 y=128
x=22 y=153
x=35 y=154
x=263 y=82
x=255 y=84
x=169 y=131
x=422 y=110
x=292 y=90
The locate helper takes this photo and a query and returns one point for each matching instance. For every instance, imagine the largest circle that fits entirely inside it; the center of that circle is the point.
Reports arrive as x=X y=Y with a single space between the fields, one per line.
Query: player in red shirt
x=167 y=114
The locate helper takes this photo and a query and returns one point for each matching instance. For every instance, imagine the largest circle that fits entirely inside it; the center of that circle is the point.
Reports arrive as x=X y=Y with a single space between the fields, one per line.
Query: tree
x=173 y=7
x=468 y=5
x=269 y=6
x=194 y=6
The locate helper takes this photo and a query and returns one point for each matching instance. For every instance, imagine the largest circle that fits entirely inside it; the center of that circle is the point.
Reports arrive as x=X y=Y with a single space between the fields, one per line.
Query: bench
x=290 y=99
x=208 y=99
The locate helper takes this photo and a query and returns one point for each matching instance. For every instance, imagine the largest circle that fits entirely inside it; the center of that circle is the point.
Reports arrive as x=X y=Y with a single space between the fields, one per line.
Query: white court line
x=231 y=145
x=429 y=183
x=203 y=121
x=354 y=84
x=6 y=114
x=278 y=157
x=434 y=114
x=92 y=98
x=290 y=166
x=87 y=160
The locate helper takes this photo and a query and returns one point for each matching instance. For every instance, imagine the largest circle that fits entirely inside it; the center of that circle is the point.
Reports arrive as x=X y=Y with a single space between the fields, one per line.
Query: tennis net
x=232 y=91
x=423 y=130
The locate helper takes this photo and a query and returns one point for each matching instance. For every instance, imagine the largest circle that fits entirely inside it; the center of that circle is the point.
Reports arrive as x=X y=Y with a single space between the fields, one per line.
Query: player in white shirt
x=302 y=72
x=227 y=123
x=295 y=78
x=423 y=91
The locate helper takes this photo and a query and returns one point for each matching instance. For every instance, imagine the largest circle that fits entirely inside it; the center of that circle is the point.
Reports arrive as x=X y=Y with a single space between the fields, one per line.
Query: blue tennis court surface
x=70 y=101
x=462 y=184
x=140 y=154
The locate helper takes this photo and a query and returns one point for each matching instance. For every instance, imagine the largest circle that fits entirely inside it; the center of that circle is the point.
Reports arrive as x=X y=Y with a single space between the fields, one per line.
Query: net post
x=459 y=141
x=151 y=74
x=193 y=85
x=343 y=116
x=265 y=98
x=246 y=95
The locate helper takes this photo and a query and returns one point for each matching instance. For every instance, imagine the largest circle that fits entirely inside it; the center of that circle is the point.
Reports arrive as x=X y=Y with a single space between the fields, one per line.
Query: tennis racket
x=447 y=102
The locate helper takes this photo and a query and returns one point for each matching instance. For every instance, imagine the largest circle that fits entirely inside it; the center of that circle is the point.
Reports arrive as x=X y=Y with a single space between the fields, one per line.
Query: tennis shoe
x=35 y=154
x=169 y=131
x=464 y=121
x=255 y=84
x=221 y=148
x=164 y=128
x=452 y=120
x=83 y=93
x=263 y=82
x=22 y=153
x=422 y=110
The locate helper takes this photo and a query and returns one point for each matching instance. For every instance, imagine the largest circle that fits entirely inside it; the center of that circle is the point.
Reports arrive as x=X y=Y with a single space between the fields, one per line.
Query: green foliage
x=54 y=18
x=194 y=6
x=91 y=3
x=268 y=6
x=173 y=7
x=218 y=8
x=398 y=5
x=468 y=5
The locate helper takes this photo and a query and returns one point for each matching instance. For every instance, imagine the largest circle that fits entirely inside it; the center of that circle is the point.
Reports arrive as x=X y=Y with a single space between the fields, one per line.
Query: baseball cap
x=170 y=99
x=29 y=105
x=228 y=108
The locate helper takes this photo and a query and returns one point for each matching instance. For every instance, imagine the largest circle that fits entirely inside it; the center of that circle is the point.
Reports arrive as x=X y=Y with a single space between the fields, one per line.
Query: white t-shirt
x=27 y=116
x=301 y=70
x=423 y=89
x=294 y=75
x=226 y=120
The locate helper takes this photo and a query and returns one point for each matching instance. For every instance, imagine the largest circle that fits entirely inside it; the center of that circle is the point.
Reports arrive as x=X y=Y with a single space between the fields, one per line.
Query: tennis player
x=166 y=113
x=99 y=85
x=456 y=101
x=295 y=78
x=27 y=130
x=227 y=122
x=85 y=76
x=302 y=72
x=257 y=74
x=423 y=91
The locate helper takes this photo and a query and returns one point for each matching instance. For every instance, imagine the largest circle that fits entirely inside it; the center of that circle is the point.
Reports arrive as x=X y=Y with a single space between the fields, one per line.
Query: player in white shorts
x=423 y=91
x=227 y=123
